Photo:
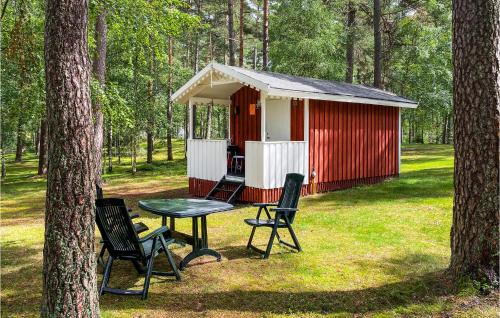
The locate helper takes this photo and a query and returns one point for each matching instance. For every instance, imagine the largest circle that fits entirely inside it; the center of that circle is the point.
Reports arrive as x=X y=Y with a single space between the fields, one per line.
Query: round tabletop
x=183 y=208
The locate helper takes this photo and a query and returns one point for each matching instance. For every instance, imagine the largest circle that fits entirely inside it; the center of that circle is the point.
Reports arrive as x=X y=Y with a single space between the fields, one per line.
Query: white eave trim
x=183 y=92
x=190 y=87
x=337 y=98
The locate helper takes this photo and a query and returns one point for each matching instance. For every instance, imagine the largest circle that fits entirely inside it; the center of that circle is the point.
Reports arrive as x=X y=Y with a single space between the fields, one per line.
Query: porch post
x=306 y=119
x=190 y=124
x=399 y=140
x=262 y=116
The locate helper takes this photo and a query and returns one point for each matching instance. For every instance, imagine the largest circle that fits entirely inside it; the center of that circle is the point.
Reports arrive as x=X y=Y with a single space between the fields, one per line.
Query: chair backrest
x=98 y=192
x=291 y=192
x=117 y=229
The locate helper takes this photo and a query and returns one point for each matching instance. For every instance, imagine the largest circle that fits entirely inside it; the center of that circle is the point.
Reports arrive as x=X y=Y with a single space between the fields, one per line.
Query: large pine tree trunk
x=42 y=154
x=99 y=70
x=476 y=51
x=69 y=262
x=230 y=31
x=351 y=20
x=242 y=22
x=377 y=56
x=265 y=36
x=170 y=155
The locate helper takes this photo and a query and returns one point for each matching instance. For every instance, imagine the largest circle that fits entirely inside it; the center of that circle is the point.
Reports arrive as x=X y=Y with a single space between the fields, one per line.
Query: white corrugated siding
x=267 y=163
x=207 y=159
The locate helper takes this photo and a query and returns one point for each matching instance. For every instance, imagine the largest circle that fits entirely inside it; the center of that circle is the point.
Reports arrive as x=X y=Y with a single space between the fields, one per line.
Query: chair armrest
x=265 y=204
x=155 y=233
x=284 y=210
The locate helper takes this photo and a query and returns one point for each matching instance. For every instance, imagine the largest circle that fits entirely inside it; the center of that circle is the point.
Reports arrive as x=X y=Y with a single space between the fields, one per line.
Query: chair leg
x=294 y=237
x=138 y=267
x=148 y=277
x=107 y=273
x=170 y=258
x=251 y=237
x=271 y=241
x=100 y=259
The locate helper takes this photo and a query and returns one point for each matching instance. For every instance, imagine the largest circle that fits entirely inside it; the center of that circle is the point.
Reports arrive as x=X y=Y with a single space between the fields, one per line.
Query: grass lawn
x=376 y=251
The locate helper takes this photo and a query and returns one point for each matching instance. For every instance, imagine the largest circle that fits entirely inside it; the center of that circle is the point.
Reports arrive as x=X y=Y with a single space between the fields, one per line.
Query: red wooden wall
x=244 y=126
x=297 y=120
x=352 y=141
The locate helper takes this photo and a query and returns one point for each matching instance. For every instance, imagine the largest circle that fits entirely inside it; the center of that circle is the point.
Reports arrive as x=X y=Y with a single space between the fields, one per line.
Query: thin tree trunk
x=36 y=142
x=19 y=142
x=110 y=148
x=119 y=149
x=351 y=22
x=69 y=262
x=476 y=51
x=242 y=23
x=4 y=170
x=133 y=153
x=254 y=65
x=170 y=155
x=150 y=140
x=265 y=36
x=99 y=71
x=42 y=157
x=2 y=149
x=230 y=31
x=377 y=56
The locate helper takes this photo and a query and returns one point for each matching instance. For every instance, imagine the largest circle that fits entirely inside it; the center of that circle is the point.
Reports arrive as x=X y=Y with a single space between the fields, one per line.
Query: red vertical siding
x=297 y=120
x=352 y=141
x=243 y=125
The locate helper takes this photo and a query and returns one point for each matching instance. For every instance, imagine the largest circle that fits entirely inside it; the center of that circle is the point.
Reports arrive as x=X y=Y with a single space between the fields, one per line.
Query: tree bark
x=351 y=22
x=230 y=31
x=265 y=36
x=242 y=23
x=42 y=155
x=99 y=71
x=170 y=155
x=19 y=142
x=476 y=97
x=149 y=156
x=377 y=56
x=69 y=262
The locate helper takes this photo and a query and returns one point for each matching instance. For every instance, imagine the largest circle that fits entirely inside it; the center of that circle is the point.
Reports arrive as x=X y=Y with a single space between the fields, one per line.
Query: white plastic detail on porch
x=266 y=163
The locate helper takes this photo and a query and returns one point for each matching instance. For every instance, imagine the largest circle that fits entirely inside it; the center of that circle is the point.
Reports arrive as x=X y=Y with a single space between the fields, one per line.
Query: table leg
x=197 y=249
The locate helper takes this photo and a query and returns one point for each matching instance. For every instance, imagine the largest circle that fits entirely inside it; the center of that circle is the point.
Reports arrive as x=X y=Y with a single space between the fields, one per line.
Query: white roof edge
x=241 y=77
x=338 y=98
x=191 y=82
x=266 y=89
x=223 y=69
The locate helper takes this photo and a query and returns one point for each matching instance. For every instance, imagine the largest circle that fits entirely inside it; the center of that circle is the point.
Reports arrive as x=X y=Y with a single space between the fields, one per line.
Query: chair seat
x=258 y=223
x=149 y=243
x=140 y=227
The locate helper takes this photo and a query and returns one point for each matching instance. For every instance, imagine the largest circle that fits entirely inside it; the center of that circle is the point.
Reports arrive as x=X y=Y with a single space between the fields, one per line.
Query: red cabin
x=337 y=134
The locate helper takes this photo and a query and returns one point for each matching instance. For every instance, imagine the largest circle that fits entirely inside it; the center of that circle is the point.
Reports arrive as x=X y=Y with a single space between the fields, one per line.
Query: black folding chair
x=285 y=209
x=122 y=242
x=139 y=226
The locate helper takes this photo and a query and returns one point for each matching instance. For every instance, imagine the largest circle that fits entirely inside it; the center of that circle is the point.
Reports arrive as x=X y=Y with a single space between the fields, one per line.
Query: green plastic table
x=188 y=208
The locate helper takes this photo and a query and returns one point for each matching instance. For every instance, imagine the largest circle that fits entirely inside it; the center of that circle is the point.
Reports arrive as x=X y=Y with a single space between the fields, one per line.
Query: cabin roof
x=217 y=81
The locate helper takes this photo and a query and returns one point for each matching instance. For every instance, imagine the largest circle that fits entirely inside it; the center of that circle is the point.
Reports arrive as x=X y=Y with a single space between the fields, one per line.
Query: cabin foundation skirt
x=200 y=188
